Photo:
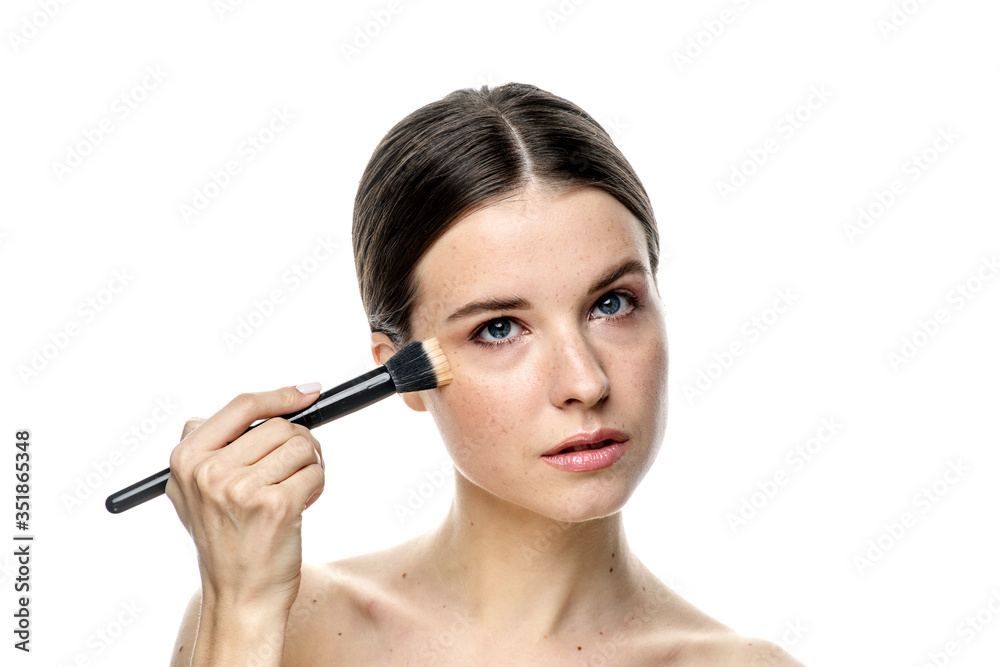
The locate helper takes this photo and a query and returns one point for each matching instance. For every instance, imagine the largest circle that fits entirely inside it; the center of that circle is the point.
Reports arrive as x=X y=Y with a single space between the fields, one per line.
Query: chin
x=587 y=505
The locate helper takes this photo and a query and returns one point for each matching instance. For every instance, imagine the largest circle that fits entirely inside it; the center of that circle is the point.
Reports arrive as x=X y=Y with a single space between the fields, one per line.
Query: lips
x=598 y=439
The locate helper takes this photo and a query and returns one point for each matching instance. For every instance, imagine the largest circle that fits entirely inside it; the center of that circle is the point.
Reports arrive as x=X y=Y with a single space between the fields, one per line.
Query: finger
x=230 y=422
x=291 y=456
x=190 y=425
x=304 y=487
x=258 y=443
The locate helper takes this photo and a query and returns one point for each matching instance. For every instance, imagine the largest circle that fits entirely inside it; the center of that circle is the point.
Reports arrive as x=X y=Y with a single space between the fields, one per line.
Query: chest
x=458 y=644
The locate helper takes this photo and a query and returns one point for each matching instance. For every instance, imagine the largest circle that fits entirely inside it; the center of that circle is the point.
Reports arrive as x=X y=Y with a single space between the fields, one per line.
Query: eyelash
x=628 y=294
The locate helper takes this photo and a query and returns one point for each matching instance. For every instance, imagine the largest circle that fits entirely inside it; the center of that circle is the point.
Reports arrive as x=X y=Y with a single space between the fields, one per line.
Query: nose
x=577 y=376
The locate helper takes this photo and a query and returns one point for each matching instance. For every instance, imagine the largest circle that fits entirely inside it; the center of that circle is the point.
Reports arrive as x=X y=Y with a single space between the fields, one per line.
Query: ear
x=382 y=351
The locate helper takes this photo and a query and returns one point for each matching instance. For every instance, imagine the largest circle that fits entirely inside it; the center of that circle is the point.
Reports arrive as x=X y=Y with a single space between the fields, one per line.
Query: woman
x=505 y=223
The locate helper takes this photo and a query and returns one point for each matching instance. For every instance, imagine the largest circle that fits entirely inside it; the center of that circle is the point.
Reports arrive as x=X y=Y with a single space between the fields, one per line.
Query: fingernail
x=309 y=387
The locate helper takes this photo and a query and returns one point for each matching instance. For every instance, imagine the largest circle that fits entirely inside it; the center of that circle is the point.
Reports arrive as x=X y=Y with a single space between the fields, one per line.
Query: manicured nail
x=309 y=387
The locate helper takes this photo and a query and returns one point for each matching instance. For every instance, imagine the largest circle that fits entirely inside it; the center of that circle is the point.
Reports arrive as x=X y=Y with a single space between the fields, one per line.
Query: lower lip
x=588 y=459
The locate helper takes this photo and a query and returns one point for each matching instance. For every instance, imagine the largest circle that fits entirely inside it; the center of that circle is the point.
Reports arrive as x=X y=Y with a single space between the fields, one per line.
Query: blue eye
x=612 y=304
x=499 y=330
x=616 y=305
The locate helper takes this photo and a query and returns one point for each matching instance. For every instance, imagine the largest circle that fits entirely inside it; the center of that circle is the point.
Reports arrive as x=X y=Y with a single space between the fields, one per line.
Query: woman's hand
x=242 y=503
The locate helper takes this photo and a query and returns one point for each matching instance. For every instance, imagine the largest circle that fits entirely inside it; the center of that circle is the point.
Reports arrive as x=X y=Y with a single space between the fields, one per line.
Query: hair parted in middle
x=465 y=150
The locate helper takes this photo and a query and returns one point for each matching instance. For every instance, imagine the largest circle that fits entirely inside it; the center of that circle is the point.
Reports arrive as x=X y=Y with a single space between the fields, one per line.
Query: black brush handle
x=342 y=400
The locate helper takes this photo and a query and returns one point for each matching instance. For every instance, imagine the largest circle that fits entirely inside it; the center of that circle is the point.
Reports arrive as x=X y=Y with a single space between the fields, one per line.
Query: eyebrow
x=494 y=304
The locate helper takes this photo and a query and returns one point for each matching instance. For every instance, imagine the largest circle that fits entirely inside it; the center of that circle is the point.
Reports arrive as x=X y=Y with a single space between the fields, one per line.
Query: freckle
x=600 y=633
x=314 y=601
x=339 y=633
x=404 y=575
x=180 y=649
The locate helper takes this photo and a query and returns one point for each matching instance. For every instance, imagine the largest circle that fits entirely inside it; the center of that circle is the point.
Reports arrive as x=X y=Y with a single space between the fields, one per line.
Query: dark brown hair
x=466 y=149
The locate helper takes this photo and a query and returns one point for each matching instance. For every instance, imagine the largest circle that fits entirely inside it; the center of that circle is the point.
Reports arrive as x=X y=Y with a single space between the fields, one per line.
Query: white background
x=888 y=90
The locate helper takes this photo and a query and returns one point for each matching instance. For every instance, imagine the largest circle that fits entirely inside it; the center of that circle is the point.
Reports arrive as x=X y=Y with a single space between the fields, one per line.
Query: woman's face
x=547 y=312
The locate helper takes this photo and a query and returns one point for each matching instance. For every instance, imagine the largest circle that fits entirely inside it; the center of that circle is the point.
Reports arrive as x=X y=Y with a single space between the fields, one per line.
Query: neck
x=510 y=567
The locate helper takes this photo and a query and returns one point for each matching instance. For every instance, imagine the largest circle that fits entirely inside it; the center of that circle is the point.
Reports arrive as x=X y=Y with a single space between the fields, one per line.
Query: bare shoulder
x=334 y=618
x=338 y=610
x=739 y=650
x=722 y=648
x=325 y=601
x=326 y=618
x=677 y=632
x=769 y=653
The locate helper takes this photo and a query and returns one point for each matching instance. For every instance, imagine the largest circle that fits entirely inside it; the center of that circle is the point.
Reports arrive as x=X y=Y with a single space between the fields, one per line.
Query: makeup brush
x=418 y=366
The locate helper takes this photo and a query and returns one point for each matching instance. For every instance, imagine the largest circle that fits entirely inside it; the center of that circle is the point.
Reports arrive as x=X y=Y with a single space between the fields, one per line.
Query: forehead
x=536 y=244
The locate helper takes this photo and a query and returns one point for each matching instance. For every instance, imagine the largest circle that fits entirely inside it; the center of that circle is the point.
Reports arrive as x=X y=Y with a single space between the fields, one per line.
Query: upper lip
x=590 y=438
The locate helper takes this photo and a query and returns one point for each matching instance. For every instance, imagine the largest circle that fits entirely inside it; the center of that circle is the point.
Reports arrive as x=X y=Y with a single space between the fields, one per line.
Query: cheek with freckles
x=484 y=419
x=650 y=383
